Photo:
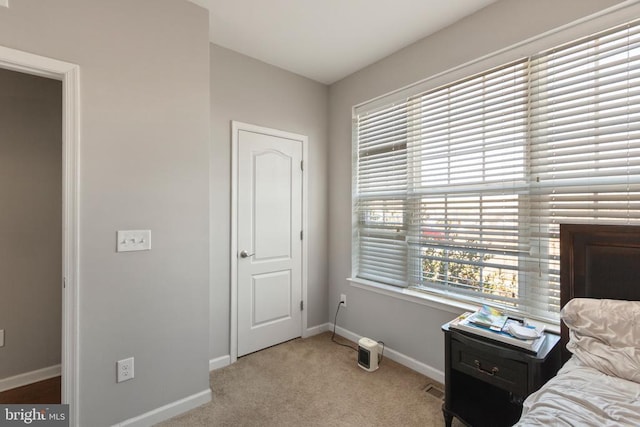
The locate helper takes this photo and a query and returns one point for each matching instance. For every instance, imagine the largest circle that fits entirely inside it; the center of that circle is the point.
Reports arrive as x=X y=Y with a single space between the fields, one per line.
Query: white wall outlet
x=125 y=370
x=133 y=240
x=343 y=299
x=1 y=337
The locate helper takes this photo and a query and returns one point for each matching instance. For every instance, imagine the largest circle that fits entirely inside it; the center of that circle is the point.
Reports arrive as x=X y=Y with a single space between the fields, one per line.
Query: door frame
x=236 y=127
x=69 y=74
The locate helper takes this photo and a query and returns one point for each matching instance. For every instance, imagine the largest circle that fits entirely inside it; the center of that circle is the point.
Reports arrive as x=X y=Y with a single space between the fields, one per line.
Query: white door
x=269 y=226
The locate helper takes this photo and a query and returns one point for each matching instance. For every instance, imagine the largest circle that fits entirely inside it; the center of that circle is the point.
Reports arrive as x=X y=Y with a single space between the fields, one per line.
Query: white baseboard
x=315 y=330
x=168 y=411
x=30 y=377
x=219 y=362
x=396 y=356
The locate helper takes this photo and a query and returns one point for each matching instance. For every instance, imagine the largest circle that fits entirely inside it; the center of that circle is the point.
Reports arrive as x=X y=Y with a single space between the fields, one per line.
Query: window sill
x=430 y=300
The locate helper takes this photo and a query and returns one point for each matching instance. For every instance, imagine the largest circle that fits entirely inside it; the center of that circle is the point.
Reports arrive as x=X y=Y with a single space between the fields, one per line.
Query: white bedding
x=605 y=335
x=600 y=385
x=583 y=396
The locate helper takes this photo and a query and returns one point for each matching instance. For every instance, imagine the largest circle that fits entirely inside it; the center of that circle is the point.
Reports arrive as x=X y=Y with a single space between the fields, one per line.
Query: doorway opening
x=68 y=74
x=30 y=238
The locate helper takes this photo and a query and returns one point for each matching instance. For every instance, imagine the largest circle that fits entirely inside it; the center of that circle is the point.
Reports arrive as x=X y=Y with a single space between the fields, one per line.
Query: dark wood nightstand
x=486 y=381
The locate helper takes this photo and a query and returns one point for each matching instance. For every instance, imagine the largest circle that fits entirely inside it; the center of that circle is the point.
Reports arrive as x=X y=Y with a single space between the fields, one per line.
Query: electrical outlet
x=343 y=300
x=125 y=370
x=1 y=337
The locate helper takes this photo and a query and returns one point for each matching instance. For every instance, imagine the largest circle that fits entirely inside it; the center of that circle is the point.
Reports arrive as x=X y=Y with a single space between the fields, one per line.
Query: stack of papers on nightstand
x=491 y=323
x=489 y=317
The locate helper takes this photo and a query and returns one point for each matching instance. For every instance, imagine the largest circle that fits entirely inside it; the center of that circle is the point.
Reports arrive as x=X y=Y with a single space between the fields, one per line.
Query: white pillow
x=605 y=334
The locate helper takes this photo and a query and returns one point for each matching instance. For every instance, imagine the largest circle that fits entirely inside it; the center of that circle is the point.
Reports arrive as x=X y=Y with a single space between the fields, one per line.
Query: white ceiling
x=326 y=40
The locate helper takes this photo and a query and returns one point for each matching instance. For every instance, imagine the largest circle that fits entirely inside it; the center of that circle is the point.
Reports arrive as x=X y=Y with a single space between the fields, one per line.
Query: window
x=460 y=190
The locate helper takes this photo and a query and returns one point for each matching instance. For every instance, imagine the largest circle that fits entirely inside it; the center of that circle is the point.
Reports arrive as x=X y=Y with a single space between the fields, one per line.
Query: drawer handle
x=491 y=373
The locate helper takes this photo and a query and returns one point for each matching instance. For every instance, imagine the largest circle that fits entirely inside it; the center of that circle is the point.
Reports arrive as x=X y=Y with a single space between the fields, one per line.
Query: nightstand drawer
x=507 y=374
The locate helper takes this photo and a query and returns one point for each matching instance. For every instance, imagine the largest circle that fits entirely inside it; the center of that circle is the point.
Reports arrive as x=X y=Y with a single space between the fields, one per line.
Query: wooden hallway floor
x=42 y=392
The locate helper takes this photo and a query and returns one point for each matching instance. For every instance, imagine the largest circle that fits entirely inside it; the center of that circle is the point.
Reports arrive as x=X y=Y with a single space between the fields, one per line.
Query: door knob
x=245 y=254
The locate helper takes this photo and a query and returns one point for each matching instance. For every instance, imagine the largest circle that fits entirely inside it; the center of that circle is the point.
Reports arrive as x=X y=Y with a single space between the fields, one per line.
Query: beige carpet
x=314 y=382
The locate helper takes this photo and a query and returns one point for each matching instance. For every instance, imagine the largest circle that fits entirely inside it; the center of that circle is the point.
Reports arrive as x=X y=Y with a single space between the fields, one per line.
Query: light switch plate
x=133 y=240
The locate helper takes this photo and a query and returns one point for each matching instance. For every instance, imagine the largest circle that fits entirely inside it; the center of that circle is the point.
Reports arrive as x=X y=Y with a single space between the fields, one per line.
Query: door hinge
x=301 y=234
x=301 y=305
x=301 y=165
x=64 y=283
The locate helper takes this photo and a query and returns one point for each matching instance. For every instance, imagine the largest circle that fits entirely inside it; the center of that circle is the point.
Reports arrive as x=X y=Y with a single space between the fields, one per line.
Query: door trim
x=236 y=127
x=69 y=74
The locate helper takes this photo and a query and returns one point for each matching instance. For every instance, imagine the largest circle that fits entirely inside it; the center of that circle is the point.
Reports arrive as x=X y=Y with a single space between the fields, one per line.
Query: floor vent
x=434 y=391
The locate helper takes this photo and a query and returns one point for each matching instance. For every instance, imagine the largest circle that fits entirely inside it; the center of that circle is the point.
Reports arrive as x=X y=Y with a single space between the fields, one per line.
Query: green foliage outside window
x=438 y=266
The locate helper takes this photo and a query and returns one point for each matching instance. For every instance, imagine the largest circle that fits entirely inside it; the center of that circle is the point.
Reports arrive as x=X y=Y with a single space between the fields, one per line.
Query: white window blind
x=461 y=189
x=382 y=188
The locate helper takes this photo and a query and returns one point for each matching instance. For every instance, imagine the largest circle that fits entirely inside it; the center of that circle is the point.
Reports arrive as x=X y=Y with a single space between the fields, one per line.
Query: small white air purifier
x=368 y=354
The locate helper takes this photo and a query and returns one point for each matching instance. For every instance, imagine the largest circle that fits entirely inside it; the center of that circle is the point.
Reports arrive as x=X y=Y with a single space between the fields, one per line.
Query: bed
x=599 y=385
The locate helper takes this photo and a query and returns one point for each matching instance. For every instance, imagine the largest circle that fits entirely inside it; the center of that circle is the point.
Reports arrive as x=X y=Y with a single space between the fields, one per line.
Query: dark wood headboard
x=598 y=261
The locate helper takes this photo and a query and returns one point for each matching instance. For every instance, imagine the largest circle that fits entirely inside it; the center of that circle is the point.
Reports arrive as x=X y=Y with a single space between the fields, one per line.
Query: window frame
x=452 y=299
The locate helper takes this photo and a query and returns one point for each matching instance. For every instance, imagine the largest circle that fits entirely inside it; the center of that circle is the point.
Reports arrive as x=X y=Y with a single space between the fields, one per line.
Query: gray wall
x=251 y=91
x=144 y=98
x=30 y=222
x=408 y=327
